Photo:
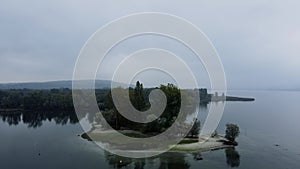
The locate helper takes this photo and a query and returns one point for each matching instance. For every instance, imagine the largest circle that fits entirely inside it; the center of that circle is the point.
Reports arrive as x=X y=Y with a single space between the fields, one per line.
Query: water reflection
x=173 y=160
x=35 y=119
x=164 y=161
x=169 y=160
x=197 y=156
x=119 y=162
x=232 y=157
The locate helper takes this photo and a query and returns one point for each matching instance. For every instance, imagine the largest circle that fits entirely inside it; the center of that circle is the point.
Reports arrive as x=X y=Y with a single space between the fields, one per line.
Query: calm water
x=269 y=138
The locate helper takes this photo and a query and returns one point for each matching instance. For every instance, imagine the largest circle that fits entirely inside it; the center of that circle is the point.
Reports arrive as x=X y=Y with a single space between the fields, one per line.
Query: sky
x=258 y=41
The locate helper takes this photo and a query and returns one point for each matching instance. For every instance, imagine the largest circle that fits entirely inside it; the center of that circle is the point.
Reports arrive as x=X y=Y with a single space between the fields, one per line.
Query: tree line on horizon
x=60 y=99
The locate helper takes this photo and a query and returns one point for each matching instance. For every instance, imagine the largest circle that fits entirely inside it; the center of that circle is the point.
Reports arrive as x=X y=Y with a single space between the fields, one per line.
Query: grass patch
x=188 y=141
x=135 y=135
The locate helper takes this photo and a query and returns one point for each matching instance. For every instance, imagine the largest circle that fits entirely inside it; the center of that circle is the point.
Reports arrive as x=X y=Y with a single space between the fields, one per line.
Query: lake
x=269 y=138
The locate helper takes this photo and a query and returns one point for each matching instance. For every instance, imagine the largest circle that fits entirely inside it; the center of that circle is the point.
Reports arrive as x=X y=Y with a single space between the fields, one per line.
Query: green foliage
x=232 y=132
x=137 y=96
x=110 y=117
x=194 y=132
x=115 y=119
x=54 y=99
x=138 y=99
x=173 y=103
x=188 y=141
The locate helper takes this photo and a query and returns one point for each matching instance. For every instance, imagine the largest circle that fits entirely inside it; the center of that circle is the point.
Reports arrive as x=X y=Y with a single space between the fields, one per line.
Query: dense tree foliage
x=232 y=132
x=138 y=97
x=54 y=99
x=194 y=132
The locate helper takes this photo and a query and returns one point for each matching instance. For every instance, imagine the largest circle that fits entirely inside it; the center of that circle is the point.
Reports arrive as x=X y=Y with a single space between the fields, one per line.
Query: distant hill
x=99 y=84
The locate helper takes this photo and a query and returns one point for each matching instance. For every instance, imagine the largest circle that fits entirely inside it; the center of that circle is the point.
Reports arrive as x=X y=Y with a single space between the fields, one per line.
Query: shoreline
x=204 y=144
x=200 y=145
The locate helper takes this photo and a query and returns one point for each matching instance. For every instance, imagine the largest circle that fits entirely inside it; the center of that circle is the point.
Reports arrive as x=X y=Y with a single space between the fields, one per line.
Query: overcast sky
x=258 y=41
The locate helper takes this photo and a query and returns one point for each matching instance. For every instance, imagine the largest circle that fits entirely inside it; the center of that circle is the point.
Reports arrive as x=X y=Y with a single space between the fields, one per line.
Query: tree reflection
x=169 y=160
x=197 y=156
x=173 y=161
x=117 y=161
x=166 y=161
x=36 y=119
x=13 y=119
x=232 y=157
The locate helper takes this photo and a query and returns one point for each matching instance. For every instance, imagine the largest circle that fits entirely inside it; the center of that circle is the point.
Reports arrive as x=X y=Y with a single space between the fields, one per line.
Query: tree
x=232 y=132
x=139 y=100
x=194 y=132
x=173 y=103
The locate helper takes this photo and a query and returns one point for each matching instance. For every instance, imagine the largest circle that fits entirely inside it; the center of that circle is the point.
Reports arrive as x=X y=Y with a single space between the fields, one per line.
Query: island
x=117 y=125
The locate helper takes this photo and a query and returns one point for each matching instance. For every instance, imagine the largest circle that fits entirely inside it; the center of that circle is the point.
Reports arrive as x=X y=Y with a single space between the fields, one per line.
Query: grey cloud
x=258 y=41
